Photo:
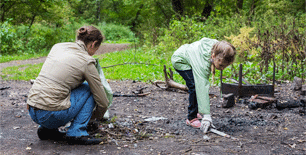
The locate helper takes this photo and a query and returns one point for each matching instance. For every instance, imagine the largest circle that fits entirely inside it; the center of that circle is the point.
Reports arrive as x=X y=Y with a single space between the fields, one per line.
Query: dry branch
x=169 y=83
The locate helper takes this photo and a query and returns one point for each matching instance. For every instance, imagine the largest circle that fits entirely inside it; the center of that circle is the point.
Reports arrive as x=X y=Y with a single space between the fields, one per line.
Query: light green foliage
x=113 y=119
x=39 y=40
x=9 y=40
x=184 y=31
x=117 y=32
x=243 y=43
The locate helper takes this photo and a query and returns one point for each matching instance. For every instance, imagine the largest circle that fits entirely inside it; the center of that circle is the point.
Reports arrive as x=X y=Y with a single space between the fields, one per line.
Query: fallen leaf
x=285 y=128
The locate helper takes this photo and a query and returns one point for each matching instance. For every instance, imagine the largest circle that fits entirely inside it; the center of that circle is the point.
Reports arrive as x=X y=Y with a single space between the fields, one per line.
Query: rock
x=252 y=105
x=176 y=132
x=297 y=83
x=228 y=100
x=16 y=127
x=154 y=119
x=110 y=126
x=205 y=137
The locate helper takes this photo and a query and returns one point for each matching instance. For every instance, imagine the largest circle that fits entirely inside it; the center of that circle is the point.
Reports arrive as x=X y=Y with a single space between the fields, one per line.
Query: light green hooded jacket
x=196 y=56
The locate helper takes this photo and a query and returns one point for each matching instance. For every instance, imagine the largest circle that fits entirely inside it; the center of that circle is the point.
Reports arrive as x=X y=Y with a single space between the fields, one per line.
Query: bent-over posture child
x=194 y=62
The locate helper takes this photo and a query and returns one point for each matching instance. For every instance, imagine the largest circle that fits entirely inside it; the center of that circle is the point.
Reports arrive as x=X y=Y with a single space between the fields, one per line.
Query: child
x=194 y=63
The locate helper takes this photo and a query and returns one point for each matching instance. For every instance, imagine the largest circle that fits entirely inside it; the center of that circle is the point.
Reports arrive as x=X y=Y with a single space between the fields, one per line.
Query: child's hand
x=206 y=123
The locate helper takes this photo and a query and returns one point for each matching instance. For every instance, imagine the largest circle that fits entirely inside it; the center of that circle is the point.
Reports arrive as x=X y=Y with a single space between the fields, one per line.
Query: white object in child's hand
x=206 y=123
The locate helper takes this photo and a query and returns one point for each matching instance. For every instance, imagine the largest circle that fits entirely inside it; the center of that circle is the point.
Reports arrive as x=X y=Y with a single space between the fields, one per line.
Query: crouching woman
x=60 y=95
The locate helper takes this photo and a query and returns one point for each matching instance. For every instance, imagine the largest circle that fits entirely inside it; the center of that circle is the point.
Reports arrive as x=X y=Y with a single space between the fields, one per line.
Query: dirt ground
x=131 y=132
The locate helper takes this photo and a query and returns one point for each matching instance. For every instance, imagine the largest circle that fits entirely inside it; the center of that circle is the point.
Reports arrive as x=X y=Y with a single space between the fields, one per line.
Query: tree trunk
x=253 y=6
x=3 y=12
x=115 y=6
x=135 y=21
x=32 y=21
x=239 y=5
x=178 y=7
x=5 y=7
x=207 y=10
x=98 y=17
x=159 y=5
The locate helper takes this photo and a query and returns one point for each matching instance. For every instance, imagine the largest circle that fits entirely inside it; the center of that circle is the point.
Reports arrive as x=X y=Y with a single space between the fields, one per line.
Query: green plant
x=184 y=31
x=9 y=40
x=113 y=119
x=244 y=43
x=117 y=32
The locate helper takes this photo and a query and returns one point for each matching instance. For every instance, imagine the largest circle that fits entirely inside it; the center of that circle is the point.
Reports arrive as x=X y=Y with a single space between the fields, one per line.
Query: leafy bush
x=115 y=32
x=243 y=43
x=20 y=40
x=184 y=31
x=9 y=40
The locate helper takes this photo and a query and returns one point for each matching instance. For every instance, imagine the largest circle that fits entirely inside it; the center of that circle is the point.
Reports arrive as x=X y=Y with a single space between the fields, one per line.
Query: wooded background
x=263 y=31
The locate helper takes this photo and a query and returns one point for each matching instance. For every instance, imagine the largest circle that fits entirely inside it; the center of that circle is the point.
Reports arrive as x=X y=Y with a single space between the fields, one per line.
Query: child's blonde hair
x=225 y=52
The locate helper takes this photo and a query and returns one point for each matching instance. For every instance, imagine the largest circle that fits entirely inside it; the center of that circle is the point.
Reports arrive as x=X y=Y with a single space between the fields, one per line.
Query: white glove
x=206 y=123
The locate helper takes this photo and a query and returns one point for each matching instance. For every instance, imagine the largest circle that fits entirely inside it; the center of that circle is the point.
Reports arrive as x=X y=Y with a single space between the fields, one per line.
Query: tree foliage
x=150 y=19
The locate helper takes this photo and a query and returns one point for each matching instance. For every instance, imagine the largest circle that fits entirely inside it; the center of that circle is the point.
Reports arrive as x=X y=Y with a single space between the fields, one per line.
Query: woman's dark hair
x=90 y=33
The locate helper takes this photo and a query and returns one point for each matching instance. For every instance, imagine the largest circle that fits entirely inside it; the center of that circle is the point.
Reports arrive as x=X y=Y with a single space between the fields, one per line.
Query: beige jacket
x=67 y=66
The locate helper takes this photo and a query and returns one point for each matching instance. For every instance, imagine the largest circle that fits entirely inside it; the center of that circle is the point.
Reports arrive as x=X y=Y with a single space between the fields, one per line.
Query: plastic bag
x=107 y=88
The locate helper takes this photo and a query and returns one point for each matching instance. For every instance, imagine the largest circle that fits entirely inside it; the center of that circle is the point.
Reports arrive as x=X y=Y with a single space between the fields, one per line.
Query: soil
x=128 y=131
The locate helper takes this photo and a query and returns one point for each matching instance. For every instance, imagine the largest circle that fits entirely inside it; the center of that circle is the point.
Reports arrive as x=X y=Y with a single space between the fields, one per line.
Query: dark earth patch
x=261 y=131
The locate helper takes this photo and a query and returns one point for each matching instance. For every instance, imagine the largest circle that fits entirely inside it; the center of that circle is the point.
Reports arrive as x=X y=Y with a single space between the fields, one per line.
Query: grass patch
x=143 y=66
x=22 y=72
x=138 y=66
x=7 y=58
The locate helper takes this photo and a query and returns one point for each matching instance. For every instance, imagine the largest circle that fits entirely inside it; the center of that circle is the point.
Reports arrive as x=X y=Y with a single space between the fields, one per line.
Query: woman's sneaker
x=84 y=140
x=194 y=123
x=51 y=134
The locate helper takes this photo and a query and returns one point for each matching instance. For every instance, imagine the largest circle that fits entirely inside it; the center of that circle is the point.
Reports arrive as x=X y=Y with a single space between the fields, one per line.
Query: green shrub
x=9 y=39
x=116 y=32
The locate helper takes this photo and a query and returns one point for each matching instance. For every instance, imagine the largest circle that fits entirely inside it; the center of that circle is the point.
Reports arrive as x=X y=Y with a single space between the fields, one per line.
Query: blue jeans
x=193 y=103
x=79 y=113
